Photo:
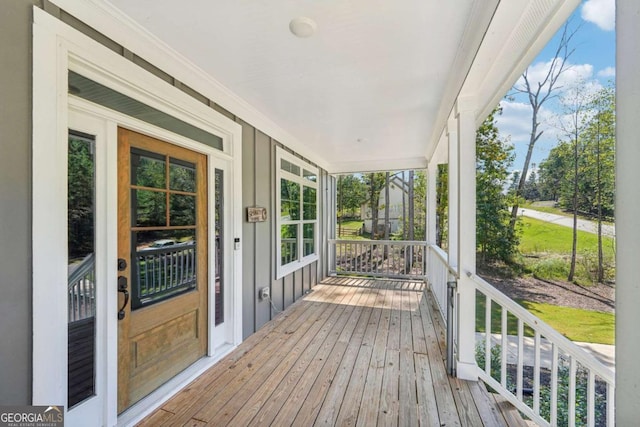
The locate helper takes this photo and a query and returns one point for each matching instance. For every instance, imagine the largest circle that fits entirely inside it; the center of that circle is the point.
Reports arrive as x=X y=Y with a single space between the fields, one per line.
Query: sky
x=592 y=61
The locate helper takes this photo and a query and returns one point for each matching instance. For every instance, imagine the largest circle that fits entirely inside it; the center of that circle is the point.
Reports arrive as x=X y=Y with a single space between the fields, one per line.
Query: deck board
x=352 y=352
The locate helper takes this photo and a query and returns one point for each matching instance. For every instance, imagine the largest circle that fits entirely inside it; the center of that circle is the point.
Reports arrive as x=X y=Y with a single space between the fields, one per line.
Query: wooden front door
x=162 y=251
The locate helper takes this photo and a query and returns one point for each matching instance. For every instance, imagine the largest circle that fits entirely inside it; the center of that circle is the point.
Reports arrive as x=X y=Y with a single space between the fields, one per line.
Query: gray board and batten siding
x=15 y=201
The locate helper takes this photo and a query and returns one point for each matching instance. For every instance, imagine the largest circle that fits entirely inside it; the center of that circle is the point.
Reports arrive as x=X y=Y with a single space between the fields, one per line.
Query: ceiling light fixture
x=302 y=26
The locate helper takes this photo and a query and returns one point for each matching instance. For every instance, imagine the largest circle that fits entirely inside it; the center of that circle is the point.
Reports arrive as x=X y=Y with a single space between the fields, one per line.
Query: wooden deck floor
x=352 y=352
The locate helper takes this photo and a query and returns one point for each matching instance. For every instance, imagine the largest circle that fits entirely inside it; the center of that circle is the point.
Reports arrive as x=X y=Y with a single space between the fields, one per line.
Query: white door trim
x=58 y=48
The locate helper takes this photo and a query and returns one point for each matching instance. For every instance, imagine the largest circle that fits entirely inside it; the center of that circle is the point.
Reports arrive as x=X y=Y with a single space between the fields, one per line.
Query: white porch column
x=453 y=185
x=430 y=234
x=466 y=367
x=627 y=212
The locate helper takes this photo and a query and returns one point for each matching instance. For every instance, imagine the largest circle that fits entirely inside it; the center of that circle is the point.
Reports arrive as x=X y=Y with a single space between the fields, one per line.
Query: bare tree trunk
x=574 y=247
x=538 y=93
x=599 y=201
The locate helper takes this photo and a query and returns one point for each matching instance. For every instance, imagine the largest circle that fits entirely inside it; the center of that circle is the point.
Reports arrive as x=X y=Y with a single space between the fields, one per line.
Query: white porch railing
x=81 y=293
x=553 y=381
x=378 y=258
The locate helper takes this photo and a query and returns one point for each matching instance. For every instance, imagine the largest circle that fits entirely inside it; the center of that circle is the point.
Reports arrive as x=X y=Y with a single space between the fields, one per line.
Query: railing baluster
x=611 y=414
x=591 y=396
x=505 y=345
x=536 y=373
x=487 y=338
x=572 y=391
x=554 y=386
x=520 y=359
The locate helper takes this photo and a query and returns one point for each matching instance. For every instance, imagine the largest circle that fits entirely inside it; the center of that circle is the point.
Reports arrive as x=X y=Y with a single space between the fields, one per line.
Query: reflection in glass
x=148 y=169
x=164 y=265
x=289 y=200
x=219 y=227
x=183 y=210
x=289 y=243
x=149 y=207
x=182 y=176
x=289 y=167
x=81 y=290
x=309 y=175
x=308 y=239
x=309 y=200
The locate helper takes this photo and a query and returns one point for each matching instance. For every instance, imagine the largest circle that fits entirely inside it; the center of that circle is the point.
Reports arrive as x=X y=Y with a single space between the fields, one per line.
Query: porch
x=352 y=351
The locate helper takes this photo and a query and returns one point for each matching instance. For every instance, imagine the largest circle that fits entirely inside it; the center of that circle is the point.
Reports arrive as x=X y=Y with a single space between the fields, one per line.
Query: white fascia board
x=119 y=27
x=379 y=165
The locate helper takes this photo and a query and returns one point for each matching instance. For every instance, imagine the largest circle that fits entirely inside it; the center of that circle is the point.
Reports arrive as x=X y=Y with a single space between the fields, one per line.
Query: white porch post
x=430 y=235
x=453 y=185
x=627 y=212
x=465 y=158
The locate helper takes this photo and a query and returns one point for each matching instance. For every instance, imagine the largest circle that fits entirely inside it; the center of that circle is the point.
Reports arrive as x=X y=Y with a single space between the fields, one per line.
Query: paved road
x=583 y=224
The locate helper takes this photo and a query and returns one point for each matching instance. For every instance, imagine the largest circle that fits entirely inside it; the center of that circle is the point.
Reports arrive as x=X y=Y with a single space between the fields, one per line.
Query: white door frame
x=58 y=48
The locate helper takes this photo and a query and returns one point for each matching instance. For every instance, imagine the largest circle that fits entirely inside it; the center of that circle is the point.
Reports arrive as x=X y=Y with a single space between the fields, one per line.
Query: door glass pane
x=289 y=243
x=219 y=225
x=148 y=169
x=182 y=176
x=150 y=208
x=164 y=265
x=81 y=291
x=183 y=210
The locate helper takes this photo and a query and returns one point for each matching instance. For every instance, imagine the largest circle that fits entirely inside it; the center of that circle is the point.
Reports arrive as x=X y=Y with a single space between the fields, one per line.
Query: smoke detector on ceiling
x=302 y=26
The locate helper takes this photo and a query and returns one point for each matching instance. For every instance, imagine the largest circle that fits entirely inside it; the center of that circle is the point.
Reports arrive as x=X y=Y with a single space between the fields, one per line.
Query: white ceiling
x=373 y=86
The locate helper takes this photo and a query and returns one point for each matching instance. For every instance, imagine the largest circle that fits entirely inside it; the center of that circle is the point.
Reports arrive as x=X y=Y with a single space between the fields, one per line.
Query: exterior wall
x=15 y=202
x=259 y=255
x=627 y=213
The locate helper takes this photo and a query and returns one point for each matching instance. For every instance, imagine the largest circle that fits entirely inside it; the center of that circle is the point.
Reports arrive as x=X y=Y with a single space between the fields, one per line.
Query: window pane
x=183 y=210
x=290 y=200
x=289 y=243
x=308 y=239
x=289 y=167
x=163 y=265
x=309 y=197
x=149 y=208
x=310 y=175
x=182 y=176
x=147 y=169
x=81 y=293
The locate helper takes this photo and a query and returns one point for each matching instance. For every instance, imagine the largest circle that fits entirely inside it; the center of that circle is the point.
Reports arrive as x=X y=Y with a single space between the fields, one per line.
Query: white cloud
x=607 y=72
x=572 y=74
x=600 y=12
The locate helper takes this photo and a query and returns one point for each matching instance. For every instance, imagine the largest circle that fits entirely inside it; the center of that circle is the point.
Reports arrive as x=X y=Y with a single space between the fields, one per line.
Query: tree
x=352 y=193
x=387 y=222
x=538 y=93
x=530 y=191
x=515 y=179
x=495 y=238
x=599 y=138
x=374 y=183
x=576 y=104
x=442 y=205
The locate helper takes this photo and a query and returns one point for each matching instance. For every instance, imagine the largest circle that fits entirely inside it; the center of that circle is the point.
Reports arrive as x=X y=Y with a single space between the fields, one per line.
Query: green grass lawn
x=573 y=323
x=351 y=226
x=540 y=236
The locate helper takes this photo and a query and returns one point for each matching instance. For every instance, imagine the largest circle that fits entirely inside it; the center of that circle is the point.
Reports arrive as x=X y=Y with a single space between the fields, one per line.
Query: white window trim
x=283 y=270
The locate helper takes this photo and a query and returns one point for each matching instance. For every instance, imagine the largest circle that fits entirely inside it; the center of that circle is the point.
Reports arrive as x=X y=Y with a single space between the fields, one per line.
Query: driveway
x=583 y=224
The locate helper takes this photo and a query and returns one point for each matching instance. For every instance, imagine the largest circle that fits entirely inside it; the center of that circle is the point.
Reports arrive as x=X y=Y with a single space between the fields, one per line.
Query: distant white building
x=398 y=190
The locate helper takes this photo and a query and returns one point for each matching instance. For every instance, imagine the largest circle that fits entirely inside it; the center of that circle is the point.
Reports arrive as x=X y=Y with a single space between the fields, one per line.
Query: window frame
x=302 y=260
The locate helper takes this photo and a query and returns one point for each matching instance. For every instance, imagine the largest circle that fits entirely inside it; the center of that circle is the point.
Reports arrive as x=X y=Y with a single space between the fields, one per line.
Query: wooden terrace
x=351 y=352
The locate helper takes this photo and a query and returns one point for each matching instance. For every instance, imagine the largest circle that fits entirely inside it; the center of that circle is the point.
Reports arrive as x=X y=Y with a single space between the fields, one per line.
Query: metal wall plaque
x=256 y=214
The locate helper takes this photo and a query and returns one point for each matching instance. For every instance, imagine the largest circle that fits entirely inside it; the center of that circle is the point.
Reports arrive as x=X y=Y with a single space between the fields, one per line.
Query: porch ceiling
x=371 y=89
